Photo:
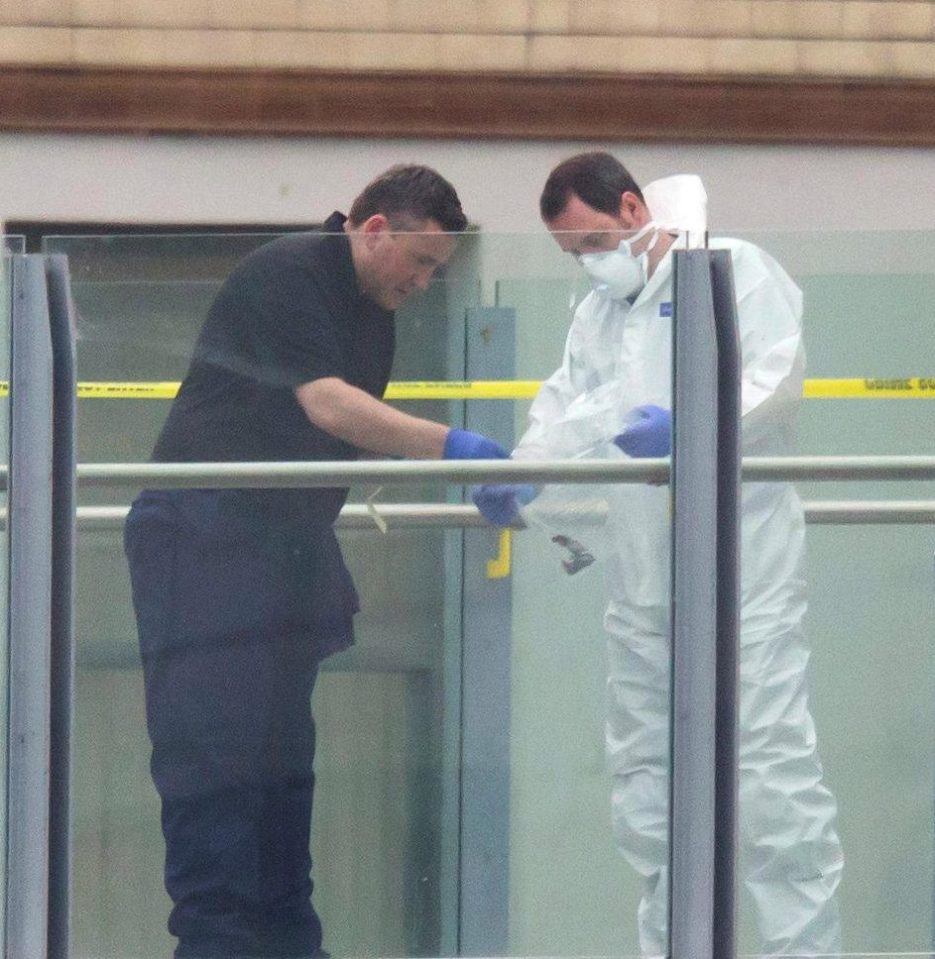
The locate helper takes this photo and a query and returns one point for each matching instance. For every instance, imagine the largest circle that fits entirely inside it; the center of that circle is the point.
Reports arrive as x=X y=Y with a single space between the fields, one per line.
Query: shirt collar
x=340 y=245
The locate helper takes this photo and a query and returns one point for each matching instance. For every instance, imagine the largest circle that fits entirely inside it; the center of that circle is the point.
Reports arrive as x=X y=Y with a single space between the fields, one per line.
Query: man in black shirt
x=239 y=594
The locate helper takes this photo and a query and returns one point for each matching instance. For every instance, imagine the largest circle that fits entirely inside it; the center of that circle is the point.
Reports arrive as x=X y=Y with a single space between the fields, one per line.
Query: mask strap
x=652 y=225
x=655 y=228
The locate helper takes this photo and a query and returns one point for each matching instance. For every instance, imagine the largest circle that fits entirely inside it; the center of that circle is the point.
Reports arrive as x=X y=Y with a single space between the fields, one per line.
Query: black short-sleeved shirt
x=290 y=313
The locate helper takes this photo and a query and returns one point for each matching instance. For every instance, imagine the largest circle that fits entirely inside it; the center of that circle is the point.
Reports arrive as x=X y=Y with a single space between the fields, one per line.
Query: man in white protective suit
x=614 y=385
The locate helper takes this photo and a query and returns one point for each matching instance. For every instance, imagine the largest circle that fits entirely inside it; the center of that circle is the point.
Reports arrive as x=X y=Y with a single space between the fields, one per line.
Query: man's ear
x=633 y=210
x=377 y=223
x=373 y=227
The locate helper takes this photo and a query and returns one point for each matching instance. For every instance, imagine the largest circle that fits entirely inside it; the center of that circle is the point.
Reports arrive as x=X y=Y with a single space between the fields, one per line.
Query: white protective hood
x=680 y=203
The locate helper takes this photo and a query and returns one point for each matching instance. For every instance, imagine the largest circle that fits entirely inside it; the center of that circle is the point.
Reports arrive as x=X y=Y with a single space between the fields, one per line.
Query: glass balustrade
x=869 y=586
x=464 y=799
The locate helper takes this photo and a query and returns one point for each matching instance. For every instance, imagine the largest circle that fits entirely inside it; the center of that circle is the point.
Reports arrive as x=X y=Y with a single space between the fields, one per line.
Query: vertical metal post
x=728 y=603
x=694 y=610
x=705 y=614
x=30 y=539
x=62 y=623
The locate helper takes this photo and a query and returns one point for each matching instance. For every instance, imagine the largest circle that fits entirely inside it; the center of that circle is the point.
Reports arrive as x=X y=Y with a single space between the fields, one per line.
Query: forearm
x=356 y=417
x=563 y=425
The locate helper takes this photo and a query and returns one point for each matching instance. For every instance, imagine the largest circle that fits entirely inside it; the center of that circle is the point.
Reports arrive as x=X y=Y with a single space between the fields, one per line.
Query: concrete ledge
x=718 y=109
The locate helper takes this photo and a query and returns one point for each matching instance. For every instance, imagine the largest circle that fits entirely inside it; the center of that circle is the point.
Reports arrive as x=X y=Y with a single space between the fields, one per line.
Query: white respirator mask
x=620 y=274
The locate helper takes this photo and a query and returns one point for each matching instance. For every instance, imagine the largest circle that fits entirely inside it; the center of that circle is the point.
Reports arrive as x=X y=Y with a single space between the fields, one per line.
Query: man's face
x=396 y=263
x=580 y=228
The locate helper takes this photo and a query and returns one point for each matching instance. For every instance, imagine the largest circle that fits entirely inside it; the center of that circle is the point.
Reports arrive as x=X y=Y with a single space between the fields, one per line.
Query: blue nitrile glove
x=465 y=445
x=499 y=503
x=649 y=434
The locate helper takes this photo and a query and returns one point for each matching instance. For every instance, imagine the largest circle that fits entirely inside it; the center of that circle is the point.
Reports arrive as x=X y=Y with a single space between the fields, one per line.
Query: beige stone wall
x=829 y=38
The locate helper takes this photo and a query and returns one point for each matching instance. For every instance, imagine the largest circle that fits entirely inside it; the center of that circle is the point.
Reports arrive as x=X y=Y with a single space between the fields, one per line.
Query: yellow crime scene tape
x=818 y=389
x=913 y=388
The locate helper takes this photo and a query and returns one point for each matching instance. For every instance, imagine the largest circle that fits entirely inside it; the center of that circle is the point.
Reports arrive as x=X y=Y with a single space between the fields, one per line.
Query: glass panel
x=591 y=662
x=5 y=340
x=385 y=832
x=14 y=244
x=866 y=632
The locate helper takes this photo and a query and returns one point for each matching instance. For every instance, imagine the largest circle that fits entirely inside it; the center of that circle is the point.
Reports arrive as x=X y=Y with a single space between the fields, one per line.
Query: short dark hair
x=597 y=178
x=409 y=192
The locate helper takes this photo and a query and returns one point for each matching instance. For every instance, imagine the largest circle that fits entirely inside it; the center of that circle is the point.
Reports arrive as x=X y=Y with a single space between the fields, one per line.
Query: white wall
x=204 y=179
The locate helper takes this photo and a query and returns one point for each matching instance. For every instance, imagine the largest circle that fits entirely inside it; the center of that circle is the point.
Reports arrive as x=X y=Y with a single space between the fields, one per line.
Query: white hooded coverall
x=618 y=356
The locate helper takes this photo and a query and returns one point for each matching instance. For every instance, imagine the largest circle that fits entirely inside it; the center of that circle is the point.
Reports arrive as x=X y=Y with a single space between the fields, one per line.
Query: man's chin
x=387 y=301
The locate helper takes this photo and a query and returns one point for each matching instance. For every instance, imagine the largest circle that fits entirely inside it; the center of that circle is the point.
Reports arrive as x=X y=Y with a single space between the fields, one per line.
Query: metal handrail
x=424 y=515
x=381 y=472
x=321 y=474
x=433 y=515
x=847 y=512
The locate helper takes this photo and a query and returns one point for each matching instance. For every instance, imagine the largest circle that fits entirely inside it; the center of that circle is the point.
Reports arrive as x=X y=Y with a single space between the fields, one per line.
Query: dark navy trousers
x=229 y=670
